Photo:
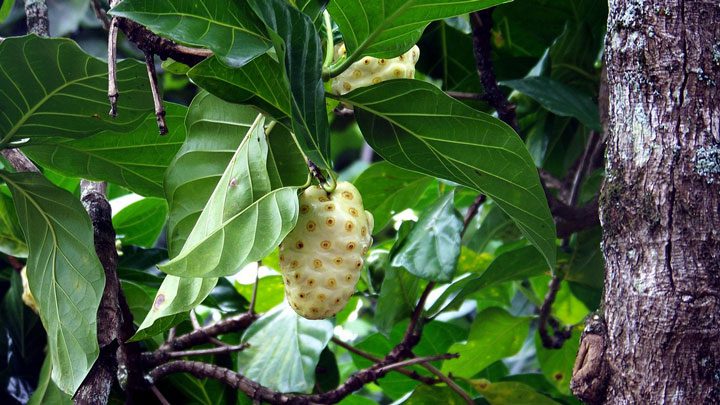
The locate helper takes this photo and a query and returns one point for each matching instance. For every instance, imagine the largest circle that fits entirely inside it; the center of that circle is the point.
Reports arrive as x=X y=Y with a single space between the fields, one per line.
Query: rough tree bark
x=660 y=208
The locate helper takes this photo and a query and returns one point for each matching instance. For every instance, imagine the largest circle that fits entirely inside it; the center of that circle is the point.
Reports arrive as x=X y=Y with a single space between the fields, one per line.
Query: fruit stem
x=329 y=44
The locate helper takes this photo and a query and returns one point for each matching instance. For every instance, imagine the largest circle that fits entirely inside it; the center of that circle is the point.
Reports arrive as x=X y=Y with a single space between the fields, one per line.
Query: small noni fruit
x=322 y=257
x=368 y=70
x=27 y=296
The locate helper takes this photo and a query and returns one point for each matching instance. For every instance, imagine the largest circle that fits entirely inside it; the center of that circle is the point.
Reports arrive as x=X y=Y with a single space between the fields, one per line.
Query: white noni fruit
x=368 y=70
x=322 y=257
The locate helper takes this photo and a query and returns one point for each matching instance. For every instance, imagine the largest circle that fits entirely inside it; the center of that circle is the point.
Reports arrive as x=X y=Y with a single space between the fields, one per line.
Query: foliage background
x=546 y=56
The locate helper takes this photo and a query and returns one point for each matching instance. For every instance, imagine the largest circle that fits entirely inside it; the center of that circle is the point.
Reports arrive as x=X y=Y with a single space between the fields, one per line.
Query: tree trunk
x=660 y=205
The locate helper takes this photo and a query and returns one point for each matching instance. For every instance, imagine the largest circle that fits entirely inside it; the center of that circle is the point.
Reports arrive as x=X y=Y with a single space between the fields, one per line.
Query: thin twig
x=100 y=14
x=481 y=23
x=19 y=161
x=159 y=395
x=196 y=326
x=208 y=352
x=450 y=383
x=253 y=298
x=146 y=41
x=157 y=100
x=472 y=211
x=560 y=334
x=412 y=374
x=172 y=332
x=417 y=360
x=112 y=67
x=461 y=95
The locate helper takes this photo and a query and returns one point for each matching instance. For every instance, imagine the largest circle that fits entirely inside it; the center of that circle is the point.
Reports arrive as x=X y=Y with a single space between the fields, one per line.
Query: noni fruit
x=368 y=70
x=322 y=257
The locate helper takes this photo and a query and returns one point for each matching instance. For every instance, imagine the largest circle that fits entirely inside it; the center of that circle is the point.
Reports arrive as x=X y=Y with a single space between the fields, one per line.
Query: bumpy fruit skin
x=27 y=296
x=322 y=257
x=368 y=70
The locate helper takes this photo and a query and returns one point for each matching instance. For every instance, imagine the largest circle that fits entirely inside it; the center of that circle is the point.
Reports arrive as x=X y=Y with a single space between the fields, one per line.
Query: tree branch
x=157 y=99
x=561 y=334
x=19 y=161
x=36 y=14
x=481 y=23
x=148 y=42
x=409 y=373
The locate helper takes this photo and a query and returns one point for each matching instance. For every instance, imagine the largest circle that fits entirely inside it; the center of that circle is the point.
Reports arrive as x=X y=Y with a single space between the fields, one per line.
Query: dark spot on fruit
x=325 y=244
x=304 y=209
x=299 y=244
x=317 y=263
x=353 y=211
x=311 y=282
x=351 y=246
x=338 y=260
x=310 y=226
x=349 y=226
x=330 y=221
x=347 y=195
x=331 y=283
x=363 y=231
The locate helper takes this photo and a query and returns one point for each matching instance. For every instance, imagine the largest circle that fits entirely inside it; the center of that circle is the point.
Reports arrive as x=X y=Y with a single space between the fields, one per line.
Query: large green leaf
x=12 y=241
x=258 y=83
x=300 y=54
x=141 y=222
x=432 y=248
x=50 y=88
x=516 y=264
x=244 y=219
x=64 y=273
x=528 y=27
x=397 y=298
x=495 y=226
x=447 y=54
x=559 y=98
x=493 y=335
x=215 y=129
x=387 y=28
x=175 y=298
x=416 y=126
x=284 y=350
x=228 y=28
x=387 y=190
x=429 y=395
x=136 y=160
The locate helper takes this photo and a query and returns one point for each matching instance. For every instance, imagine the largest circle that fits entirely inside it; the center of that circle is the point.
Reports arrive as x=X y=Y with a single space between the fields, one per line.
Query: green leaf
x=47 y=392
x=300 y=54
x=136 y=160
x=50 y=88
x=557 y=364
x=397 y=298
x=516 y=264
x=139 y=298
x=284 y=350
x=432 y=248
x=418 y=127
x=64 y=273
x=257 y=83
x=528 y=27
x=559 y=99
x=510 y=393
x=387 y=190
x=495 y=226
x=12 y=241
x=493 y=335
x=229 y=29
x=429 y=395
x=243 y=221
x=5 y=9
x=214 y=131
x=140 y=223
x=175 y=298
x=447 y=54
x=387 y=28
x=270 y=292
